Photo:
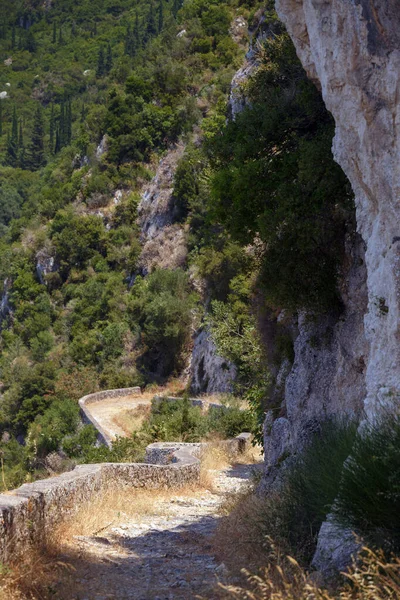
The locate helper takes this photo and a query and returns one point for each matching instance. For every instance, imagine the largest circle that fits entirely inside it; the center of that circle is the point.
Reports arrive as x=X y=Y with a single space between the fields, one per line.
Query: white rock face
x=352 y=50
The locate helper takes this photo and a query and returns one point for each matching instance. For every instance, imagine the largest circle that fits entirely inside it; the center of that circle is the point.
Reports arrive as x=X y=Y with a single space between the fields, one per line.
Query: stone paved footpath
x=165 y=556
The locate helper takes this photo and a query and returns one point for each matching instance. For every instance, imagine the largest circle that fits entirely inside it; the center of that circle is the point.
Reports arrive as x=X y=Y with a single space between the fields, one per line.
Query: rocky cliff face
x=350 y=364
x=352 y=51
x=164 y=245
x=327 y=376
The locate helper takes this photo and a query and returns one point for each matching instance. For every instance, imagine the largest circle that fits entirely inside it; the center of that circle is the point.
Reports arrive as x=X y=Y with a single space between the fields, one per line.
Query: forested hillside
x=92 y=94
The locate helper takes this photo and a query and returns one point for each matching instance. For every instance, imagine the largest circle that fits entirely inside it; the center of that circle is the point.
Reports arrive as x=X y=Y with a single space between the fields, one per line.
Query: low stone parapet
x=90 y=419
x=29 y=514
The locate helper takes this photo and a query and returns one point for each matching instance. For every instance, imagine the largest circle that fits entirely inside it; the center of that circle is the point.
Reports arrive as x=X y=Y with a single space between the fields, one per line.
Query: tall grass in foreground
x=374 y=578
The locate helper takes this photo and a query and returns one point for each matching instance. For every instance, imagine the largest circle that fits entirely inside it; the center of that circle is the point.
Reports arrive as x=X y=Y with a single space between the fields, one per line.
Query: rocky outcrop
x=352 y=51
x=45 y=264
x=350 y=365
x=209 y=372
x=5 y=300
x=164 y=241
x=327 y=377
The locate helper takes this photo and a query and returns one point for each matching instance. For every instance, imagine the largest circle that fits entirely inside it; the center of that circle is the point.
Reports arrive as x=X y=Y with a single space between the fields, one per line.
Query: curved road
x=108 y=410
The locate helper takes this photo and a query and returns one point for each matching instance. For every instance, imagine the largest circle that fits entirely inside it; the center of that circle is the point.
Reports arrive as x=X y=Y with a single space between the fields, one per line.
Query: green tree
x=54 y=32
x=11 y=158
x=21 y=148
x=52 y=129
x=36 y=158
x=161 y=16
x=162 y=304
x=109 y=60
x=100 y=63
x=151 y=30
x=30 y=43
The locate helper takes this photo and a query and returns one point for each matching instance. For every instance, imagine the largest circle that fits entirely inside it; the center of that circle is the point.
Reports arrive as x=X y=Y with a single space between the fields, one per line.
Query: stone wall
x=87 y=416
x=29 y=514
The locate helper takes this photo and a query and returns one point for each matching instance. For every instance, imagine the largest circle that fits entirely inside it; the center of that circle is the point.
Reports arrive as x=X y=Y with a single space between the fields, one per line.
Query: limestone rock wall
x=328 y=373
x=209 y=372
x=351 y=49
x=350 y=364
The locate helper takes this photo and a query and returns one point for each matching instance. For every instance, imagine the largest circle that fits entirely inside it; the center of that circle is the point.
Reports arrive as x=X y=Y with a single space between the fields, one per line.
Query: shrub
x=162 y=304
x=59 y=420
x=293 y=515
x=369 y=498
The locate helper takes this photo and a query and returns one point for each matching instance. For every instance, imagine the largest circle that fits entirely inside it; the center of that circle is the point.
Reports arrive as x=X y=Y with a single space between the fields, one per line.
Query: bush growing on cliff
x=274 y=178
x=369 y=496
x=162 y=305
x=293 y=515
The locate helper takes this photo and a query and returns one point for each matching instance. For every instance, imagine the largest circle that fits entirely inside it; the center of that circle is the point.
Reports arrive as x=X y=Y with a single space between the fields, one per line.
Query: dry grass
x=242 y=540
x=33 y=576
x=253 y=455
x=240 y=537
x=213 y=458
x=106 y=509
x=132 y=420
x=374 y=578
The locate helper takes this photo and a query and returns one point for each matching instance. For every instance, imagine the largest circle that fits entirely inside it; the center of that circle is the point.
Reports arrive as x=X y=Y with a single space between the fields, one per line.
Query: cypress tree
x=100 y=63
x=83 y=113
x=151 y=25
x=52 y=128
x=30 y=43
x=68 y=123
x=1 y=118
x=176 y=7
x=161 y=16
x=12 y=142
x=36 y=151
x=60 y=37
x=61 y=126
x=21 y=148
x=128 y=41
x=57 y=147
x=13 y=37
x=54 y=32
x=136 y=33
x=109 y=59
x=14 y=127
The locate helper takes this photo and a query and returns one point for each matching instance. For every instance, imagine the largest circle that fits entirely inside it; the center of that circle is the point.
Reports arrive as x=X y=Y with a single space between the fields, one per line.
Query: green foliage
x=235 y=334
x=293 y=516
x=48 y=430
x=68 y=252
x=76 y=239
x=369 y=494
x=162 y=304
x=180 y=421
x=275 y=178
